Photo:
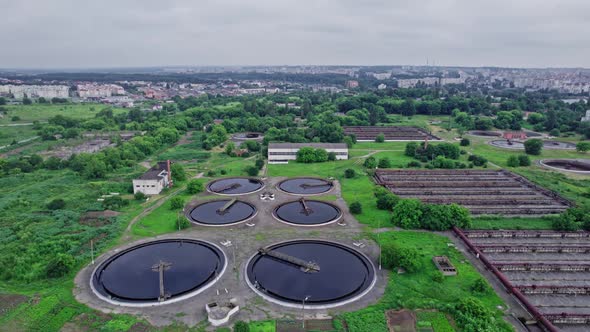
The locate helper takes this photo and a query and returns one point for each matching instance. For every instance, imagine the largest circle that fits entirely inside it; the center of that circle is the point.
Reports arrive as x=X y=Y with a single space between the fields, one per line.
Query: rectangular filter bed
x=390 y=133
x=549 y=272
x=481 y=191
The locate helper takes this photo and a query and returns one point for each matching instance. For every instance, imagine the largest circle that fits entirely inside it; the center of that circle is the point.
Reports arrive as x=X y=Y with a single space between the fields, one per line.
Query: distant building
x=587 y=117
x=281 y=153
x=35 y=91
x=154 y=180
x=381 y=86
x=352 y=84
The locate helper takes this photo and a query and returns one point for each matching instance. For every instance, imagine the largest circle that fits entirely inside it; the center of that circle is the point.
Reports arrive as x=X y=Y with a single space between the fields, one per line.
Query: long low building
x=154 y=180
x=281 y=153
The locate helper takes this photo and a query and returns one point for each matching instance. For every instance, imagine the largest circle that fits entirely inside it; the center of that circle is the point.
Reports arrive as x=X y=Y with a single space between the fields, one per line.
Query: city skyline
x=520 y=34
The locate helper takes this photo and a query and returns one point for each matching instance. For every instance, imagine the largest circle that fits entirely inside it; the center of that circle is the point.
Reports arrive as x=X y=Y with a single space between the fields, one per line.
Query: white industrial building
x=281 y=153
x=154 y=180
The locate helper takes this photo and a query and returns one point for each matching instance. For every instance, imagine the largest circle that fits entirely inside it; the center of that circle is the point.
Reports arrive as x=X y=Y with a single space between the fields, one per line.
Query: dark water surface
x=293 y=212
x=207 y=213
x=344 y=273
x=294 y=186
x=244 y=186
x=128 y=276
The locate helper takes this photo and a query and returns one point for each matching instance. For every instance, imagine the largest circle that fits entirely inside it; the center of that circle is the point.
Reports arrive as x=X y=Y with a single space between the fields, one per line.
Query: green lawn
x=417 y=290
x=18 y=133
x=497 y=222
x=262 y=326
x=37 y=112
x=435 y=319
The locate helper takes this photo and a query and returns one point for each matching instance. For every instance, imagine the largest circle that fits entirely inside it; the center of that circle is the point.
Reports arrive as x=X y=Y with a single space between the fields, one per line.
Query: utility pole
x=303 y=311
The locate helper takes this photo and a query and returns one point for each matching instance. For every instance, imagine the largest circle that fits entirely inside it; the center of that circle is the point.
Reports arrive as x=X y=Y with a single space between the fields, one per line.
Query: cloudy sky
x=107 y=33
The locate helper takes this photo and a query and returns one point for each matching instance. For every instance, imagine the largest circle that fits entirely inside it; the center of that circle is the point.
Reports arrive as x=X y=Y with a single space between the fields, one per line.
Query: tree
x=176 y=203
x=370 y=163
x=384 y=163
x=139 y=196
x=349 y=173
x=252 y=170
x=229 y=149
x=27 y=101
x=407 y=213
x=194 y=187
x=59 y=265
x=331 y=156
x=311 y=155
x=56 y=204
x=567 y=221
x=380 y=138
x=182 y=223
x=533 y=146
x=411 y=149
x=583 y=147
x=465 y=142
x=178 y=173
x=349 y=141
x=387 y=201
x=356 y=208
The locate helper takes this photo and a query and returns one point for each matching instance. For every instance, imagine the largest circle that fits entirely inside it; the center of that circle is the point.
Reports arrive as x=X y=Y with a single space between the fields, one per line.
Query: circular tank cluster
x=235 y=186
x=324 y=274
x=249 y=136
x=580 y=166
x=222 y=212
x=518 y=145
x=307 y=213
x=305 y=186
x=158 y=272
x=484 y=133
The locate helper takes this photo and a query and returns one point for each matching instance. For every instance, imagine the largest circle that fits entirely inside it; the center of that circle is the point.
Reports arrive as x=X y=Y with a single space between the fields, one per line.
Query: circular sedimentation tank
x=485 y=133
x=305 y=212
x=134 y=276
x=579 y=166
x=518 y=145
x=248 y=136
x=221 y=212
x=324 y=274
x=306 y=186
x=235 y=186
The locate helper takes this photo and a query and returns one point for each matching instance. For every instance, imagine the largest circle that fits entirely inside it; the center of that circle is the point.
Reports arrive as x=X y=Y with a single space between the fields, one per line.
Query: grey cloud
x=68 y=33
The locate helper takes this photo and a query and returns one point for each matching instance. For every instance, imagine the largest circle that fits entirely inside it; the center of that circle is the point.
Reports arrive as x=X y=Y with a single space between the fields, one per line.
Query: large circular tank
x=307 y=213
x=221 y=212
x=306 y=186
x=518 y=145
x=578 y=166
x=235 y=186
x=248 y=136
x=134 y=276
x=324 y=274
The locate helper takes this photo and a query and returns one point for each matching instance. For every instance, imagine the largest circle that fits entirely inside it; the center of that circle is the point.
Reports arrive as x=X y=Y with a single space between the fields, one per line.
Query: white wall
x=148 y=187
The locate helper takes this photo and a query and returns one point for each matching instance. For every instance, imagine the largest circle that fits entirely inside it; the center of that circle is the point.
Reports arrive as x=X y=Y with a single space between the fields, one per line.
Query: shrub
x=241 y=326
x=259 y=163
x=583 y=146
x=356 y=208
x=380 y=138
x=465 y=142
x=311 y=155
x=480 y=286
x=331 y=156
x=252 y=170
x=384 y=163
x=139 y=196
x=438 y=277
x=211 y=173
x=393 y=256
x=554 y=132
x=524 y=160
x=176 y=203
x=370 y=162
x=407 y=213
x=222 y=171
x=56 y=204
x=411 y=149
x=59 y=265
x=513 y=161
x=194 y=187
x=349 y=173
x=533 y=146
x=114 y=203
x=415 y=164
x=182 y=223
x=477 y=160
x=387 y=201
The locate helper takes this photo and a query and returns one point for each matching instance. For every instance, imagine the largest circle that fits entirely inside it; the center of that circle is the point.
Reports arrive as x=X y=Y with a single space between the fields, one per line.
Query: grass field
x=494 y=222
x=262 y=326
x=37 y=112
x=18 y=133
x=417 y=290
